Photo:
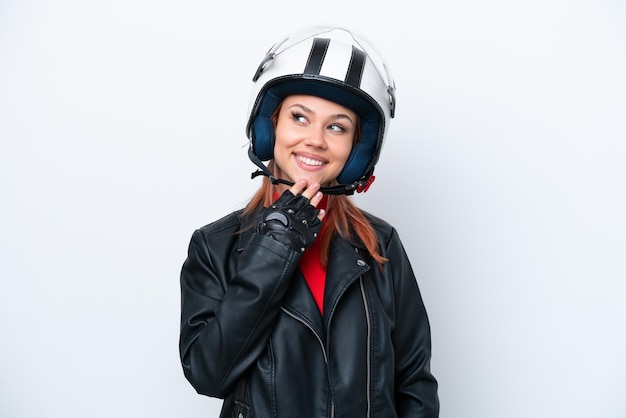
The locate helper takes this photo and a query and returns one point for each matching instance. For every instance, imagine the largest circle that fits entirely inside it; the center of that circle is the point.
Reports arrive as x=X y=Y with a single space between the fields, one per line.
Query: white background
x=122 y=130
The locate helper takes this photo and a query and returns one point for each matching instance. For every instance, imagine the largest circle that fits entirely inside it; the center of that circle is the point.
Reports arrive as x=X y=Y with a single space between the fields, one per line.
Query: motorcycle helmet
x=335 y=64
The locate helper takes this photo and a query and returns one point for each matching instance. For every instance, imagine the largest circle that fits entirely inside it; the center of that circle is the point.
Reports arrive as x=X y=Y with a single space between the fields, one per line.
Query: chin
x=310 y=177
x=313 y=179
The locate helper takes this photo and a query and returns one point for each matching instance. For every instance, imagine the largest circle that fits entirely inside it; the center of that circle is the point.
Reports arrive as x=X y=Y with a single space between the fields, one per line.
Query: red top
x=311 y=265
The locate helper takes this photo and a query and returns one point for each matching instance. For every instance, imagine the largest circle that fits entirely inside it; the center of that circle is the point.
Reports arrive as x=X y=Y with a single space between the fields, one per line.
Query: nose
x=316 y=138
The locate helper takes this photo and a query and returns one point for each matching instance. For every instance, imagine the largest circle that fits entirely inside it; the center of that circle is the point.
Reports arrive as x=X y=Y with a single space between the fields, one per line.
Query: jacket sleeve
x=416 y=387
x=226 y=321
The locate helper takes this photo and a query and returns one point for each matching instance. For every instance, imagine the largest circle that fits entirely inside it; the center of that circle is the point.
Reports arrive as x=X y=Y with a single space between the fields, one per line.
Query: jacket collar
x=345 y=266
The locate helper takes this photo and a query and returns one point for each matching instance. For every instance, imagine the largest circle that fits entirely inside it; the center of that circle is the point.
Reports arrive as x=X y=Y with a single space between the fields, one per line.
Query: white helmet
x=335 y=64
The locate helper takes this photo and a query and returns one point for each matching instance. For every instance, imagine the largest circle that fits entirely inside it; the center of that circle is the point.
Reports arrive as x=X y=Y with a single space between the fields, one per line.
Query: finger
x=298 y=187
x=321 y=214
x=311 y=191
x=316 y=199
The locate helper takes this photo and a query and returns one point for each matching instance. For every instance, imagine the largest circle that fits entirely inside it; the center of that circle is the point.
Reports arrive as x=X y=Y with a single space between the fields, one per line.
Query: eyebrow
x=308 y=110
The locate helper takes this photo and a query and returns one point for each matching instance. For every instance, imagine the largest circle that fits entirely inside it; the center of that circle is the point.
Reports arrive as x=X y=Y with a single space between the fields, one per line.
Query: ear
x=263 y=138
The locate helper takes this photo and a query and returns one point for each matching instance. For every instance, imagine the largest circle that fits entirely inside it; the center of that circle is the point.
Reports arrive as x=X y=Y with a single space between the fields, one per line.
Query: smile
x=309 y=161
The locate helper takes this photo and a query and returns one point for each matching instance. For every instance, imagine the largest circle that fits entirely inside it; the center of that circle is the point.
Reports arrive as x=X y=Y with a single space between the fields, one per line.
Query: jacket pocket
x=242 y=410
x=241 y=404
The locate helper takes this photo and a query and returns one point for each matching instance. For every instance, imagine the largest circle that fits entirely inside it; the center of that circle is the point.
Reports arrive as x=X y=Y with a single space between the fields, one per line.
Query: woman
x=302 y=305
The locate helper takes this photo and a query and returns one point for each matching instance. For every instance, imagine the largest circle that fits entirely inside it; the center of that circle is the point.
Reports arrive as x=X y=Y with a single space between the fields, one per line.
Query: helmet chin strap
x=342 y=189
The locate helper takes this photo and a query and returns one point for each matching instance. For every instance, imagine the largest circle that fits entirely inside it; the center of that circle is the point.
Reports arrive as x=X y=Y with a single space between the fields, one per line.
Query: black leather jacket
x=252 y=334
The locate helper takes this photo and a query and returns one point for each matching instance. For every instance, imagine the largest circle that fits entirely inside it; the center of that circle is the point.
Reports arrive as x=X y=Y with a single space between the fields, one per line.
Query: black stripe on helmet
x=316 y=56
x=355 y=70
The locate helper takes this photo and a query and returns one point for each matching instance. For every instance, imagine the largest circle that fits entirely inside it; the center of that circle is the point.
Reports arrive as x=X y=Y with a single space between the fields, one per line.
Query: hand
x=312 y=193
x=293 y=219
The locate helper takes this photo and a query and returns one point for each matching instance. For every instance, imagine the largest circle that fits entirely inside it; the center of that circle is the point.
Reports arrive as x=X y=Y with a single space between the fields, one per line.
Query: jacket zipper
x=369 y=347
x=319 y=340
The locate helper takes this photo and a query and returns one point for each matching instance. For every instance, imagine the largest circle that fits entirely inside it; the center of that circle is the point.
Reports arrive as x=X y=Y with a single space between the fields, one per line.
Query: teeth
x=309 y=161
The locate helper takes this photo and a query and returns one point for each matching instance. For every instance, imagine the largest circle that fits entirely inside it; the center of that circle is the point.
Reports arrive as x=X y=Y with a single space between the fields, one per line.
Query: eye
x=298 y=117
x=339 y=128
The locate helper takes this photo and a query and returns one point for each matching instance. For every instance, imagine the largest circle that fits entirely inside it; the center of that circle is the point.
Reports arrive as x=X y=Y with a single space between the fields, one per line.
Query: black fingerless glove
x=291 y=220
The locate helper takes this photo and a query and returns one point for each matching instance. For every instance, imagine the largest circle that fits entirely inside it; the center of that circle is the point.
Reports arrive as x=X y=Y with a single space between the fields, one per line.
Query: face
x=314 y=137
